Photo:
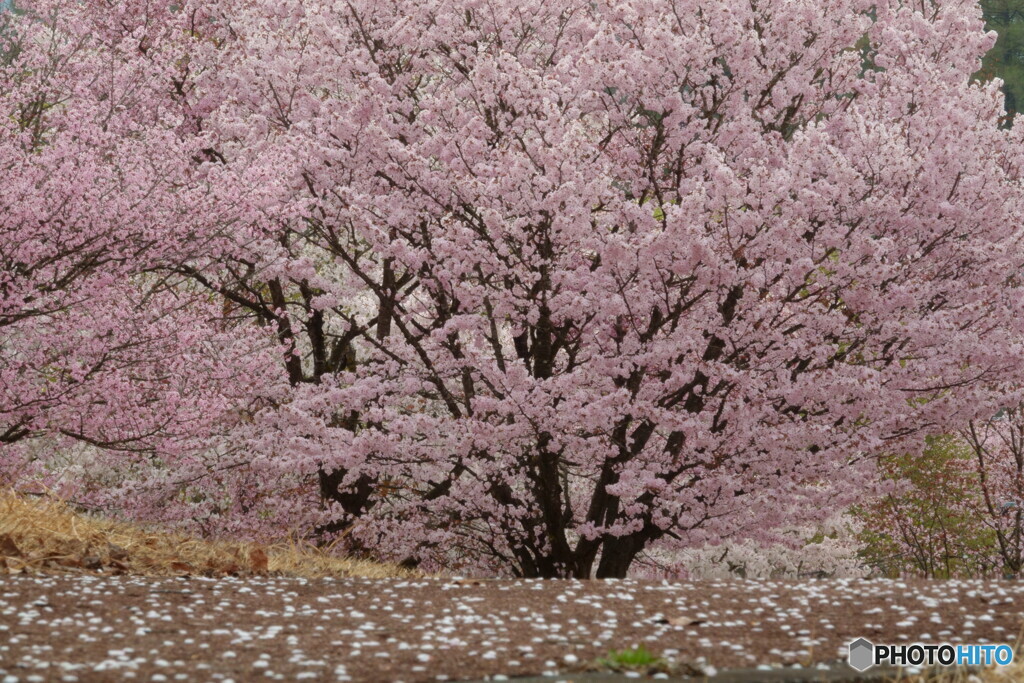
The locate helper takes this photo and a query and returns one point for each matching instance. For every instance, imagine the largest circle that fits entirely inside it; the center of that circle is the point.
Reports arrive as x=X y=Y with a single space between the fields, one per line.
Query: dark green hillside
x=1006 y=59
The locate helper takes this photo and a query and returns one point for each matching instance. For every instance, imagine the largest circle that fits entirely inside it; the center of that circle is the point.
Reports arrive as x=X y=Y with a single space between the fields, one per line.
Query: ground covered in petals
x=92 y=628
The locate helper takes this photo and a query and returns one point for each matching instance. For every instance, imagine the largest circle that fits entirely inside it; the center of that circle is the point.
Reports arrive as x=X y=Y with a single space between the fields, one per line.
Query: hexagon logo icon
x=862 y=654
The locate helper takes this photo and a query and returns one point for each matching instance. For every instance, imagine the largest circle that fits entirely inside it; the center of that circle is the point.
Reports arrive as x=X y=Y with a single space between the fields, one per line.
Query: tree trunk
x=617 y=555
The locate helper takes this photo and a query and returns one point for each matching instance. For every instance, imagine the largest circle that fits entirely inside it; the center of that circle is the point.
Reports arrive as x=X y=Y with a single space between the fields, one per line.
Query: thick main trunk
x=617 y=555
x=354 y=500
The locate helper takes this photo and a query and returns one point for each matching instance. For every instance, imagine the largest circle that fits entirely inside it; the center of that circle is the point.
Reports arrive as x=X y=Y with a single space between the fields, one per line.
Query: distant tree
x=1006 y=58
x=996 y=449
x=930 y=523
x=955 y=510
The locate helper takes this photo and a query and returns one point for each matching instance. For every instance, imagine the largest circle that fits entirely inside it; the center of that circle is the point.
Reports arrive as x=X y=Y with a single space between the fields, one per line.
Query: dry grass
x=43 y=534
x=1003 y=674
x=1013 y=673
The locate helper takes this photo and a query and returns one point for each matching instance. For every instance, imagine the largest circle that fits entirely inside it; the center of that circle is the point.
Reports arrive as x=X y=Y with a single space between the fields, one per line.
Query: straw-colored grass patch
x=43 y=534
x=1012 y=673
x=1005 y=674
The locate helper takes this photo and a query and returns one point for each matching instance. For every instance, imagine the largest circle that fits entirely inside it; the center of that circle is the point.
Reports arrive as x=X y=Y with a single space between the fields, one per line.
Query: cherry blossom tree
x=996 y=447
x=556 y=283
x=96 y=345
x=568 y=280
x=829 y=549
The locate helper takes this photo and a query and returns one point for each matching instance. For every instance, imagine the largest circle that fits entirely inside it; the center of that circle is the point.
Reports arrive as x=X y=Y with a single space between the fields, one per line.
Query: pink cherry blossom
x=523 y=287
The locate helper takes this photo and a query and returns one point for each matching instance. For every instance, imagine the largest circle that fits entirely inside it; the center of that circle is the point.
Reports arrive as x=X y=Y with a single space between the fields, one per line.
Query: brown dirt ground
x=100 y=628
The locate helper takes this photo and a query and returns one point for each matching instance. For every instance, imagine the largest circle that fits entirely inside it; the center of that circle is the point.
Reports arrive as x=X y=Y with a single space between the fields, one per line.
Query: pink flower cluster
x=527 y=287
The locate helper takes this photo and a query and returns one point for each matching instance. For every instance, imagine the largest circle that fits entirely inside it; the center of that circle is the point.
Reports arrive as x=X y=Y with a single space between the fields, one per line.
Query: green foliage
x=1006 y=59
x=9 y=47
x=932 y=527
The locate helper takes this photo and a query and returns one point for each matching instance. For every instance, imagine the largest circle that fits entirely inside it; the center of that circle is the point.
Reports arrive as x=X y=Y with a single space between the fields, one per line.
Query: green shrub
x=930 y=524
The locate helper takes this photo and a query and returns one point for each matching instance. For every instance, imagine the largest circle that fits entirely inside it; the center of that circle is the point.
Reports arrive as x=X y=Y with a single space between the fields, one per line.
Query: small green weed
x=637 y=658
